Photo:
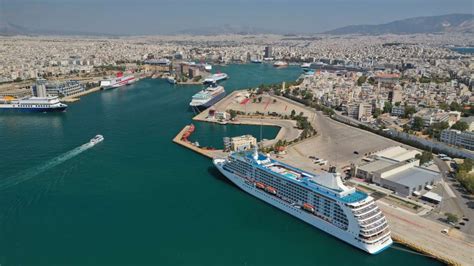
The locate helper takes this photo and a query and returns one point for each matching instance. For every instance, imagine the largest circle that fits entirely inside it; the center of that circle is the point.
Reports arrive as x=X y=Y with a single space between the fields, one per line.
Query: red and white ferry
x=118 y=81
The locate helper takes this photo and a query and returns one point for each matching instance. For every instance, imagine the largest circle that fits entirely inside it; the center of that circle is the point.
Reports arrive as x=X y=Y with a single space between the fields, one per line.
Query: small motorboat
x=96 y=139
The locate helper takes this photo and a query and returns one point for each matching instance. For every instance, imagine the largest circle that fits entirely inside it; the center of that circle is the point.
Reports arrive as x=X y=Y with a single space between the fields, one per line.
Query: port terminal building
x=241 y=143
x=397 y=169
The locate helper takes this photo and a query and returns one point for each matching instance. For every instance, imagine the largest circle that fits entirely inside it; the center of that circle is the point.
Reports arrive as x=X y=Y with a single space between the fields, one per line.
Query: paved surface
x=336 y=142
x=427 y=234
x=463 y=202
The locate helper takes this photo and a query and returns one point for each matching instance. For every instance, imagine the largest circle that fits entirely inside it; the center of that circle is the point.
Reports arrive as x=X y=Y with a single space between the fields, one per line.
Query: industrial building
x=397 y=169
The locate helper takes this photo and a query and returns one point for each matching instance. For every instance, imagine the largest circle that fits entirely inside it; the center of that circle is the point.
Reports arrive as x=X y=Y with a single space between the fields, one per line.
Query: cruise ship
x=32 y=104
x=322 y=201
x=206 y=98
x=119 y=81
x=215 y=78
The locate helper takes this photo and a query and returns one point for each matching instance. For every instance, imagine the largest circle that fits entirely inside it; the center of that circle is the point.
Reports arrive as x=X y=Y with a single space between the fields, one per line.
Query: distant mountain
x=226 y=29
x=436 y=24
x=9 y=29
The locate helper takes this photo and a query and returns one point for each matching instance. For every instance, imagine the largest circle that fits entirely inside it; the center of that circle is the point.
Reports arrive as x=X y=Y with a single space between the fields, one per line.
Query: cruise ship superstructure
x=320 y=200
x=208 y=97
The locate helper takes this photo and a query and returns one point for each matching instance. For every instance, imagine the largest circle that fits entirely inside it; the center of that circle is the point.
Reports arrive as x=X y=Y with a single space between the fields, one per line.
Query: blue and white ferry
x=323 y=200
x=32 y=104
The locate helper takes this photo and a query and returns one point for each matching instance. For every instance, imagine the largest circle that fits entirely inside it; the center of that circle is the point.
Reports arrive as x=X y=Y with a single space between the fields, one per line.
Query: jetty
x=211 y=154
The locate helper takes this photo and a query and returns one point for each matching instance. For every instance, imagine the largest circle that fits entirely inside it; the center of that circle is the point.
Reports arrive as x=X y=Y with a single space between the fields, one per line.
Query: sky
x=148 y=17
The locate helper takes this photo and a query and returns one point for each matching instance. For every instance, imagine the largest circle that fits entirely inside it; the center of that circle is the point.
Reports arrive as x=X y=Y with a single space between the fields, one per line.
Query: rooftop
x=414 y=176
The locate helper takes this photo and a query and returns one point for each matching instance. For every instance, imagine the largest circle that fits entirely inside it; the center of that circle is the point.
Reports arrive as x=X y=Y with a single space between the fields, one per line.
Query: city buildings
x=458 y=138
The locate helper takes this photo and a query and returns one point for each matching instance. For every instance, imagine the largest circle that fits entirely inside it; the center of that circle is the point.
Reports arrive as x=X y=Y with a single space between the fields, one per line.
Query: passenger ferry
x=216 y=78
x=32 y=104
x=119 y=81
x=323 y=200
x=206 y=98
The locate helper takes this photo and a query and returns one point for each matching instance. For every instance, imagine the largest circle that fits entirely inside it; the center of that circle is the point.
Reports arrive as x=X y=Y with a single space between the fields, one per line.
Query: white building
x=458 y=138
x=240 y=143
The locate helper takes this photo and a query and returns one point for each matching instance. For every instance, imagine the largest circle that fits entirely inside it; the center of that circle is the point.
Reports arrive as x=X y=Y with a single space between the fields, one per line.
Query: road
x=463 y=202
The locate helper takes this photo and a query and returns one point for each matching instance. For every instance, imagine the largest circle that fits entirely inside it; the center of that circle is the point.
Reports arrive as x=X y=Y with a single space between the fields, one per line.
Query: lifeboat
x=270 y=190
x=308 y=207
x=260 y=185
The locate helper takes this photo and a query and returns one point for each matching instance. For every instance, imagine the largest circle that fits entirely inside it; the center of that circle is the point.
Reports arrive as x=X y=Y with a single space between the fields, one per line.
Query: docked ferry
x=32 y=104
x=215 y=78
x=322 y=201
x=118 y=81
x=206 y=98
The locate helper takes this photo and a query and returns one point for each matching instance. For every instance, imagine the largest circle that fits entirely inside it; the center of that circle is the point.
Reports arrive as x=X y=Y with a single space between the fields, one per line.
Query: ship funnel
x=255 y=153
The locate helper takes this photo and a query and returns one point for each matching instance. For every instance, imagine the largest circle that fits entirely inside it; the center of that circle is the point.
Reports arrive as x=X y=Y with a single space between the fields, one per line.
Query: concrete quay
x=76 y=97
x=208 y=153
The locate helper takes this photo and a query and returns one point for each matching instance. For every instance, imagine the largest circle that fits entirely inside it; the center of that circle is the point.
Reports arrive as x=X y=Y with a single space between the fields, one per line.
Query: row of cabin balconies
x=365 y=209
x=374 y=231
x=372 y=220
x=368 y=215
x=375 y=238
x=374 y=224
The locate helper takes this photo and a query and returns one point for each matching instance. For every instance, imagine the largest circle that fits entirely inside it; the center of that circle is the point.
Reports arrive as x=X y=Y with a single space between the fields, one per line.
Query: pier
x=76 y=97
x=211 y=154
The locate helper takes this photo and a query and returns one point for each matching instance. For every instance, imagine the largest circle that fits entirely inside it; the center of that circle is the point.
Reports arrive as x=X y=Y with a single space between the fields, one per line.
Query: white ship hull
x=301 y=214
x=118 y=82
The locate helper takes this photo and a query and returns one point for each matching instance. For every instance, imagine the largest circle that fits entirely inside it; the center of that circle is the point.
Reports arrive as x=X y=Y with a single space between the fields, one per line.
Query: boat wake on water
x=32 y=172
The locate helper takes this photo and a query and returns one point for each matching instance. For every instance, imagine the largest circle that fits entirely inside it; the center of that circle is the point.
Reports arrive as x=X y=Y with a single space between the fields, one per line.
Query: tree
x=417 y=123
x=377 y=112
x=460 y=125
x=444 y=106
x=409 y=110
x=454 y=106
x=233 y=114
x=293 y=113
x=387 y=107
x=451 y=218
x=435 y=129
x=424 y=157
x=361 y=80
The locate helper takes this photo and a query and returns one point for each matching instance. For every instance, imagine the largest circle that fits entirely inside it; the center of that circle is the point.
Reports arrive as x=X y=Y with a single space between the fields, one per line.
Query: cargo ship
x=32 y=104
x=206 y=98
x=321 y=200
x=118 y=81
x=214 y=78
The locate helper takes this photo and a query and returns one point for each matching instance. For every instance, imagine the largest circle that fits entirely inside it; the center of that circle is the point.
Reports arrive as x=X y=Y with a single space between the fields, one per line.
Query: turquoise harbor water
x=137 y=198
x=464 y=50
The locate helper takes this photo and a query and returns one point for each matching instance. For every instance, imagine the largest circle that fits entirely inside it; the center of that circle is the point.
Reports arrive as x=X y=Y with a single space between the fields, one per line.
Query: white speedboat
x=96 y=139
